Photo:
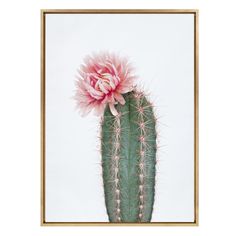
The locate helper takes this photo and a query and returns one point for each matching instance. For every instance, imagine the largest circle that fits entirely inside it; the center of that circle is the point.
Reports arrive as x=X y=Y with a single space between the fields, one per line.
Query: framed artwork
x=119 y=117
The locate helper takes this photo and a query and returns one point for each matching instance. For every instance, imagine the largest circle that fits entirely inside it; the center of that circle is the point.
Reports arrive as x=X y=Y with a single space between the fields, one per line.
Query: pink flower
x=102 y=80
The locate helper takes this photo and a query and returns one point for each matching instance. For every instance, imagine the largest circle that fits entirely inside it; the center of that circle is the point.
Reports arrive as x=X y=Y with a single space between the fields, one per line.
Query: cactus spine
x=128 y=145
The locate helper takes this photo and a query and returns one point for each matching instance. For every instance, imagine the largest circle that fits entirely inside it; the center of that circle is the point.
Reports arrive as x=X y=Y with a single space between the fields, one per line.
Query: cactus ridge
x=128 y=159
x=115 y=156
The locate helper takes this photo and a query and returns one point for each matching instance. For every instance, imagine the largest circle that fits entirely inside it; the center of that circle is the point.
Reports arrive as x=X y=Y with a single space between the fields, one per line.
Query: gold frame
x=196 y=112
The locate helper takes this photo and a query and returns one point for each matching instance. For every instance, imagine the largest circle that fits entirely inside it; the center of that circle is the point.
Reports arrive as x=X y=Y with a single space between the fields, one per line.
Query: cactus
x=106 y=85
x=128 y=148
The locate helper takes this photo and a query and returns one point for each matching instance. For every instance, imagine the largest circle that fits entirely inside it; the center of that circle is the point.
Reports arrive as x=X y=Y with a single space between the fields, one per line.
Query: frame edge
x=196 y=121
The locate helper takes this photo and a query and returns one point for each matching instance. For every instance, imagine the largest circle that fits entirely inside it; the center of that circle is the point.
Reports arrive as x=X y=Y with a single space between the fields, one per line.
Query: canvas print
x=119 y=117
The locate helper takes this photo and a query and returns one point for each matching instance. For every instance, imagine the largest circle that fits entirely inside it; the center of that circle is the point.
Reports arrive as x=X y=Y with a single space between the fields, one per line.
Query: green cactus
x=128 y=146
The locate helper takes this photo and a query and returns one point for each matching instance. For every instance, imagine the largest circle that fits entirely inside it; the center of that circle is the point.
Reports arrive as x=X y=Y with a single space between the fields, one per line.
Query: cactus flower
x=102 y=80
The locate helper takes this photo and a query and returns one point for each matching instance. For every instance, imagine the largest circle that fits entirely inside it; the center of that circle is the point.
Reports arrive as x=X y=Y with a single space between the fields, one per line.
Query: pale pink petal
x=124 y=89
x=112 y=84
x=86 y=109
x=105 y=100
x=93 y=92
x=107 y=86
x=113 y=109
x=116 y=80
x=98 y=109
x=103 y=88
x=110 y=98
x=119 y=98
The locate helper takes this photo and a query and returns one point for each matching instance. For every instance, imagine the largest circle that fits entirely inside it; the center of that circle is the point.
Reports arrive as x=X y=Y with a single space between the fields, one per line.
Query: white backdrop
x=20 y=118
x=161 y=48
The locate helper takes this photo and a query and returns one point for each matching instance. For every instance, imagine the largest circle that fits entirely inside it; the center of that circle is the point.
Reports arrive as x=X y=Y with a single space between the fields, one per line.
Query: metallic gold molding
x=43 y=114
x=196 y=112
x=119 y=11
x=196 y=119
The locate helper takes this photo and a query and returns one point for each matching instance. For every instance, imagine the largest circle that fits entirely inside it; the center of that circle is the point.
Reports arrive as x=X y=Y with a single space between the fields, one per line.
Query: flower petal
x=93 y=92
x=119 y=98
x=113 y=109
x=98 y=109
x=103 y=88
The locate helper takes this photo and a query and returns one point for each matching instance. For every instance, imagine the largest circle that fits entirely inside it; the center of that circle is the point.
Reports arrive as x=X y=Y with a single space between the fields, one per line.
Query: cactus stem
x=128 y=159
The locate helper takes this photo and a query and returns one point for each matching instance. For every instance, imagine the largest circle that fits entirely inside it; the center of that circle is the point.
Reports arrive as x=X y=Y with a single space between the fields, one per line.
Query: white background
x=20 y=118
x=161 y=48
